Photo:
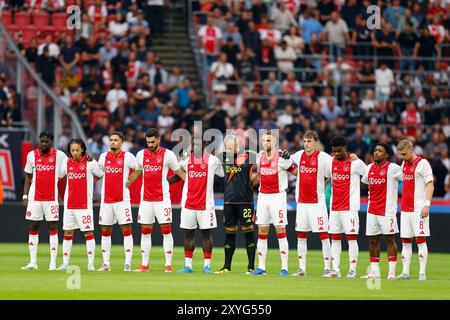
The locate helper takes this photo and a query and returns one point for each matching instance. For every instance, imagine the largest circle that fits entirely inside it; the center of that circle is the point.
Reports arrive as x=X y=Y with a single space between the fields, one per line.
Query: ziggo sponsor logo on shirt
x=148 y=168
x=268 y=171
x=337 y=176
x=43 y=167
x=304 y=169
x=377 y=181
x=193 y=174
x=74 y=176
x=408 y=177
x=113 y=170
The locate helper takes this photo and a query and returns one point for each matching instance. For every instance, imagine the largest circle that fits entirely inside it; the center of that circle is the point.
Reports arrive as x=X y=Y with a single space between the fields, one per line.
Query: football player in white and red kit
x=40 y=196
x=344 y=204
x=271 y=206
x=115 y=204
x=154 y=163
x=78 y=212
x=382 y=177
x=197 y=202
x=417 y=192
x=313 y=166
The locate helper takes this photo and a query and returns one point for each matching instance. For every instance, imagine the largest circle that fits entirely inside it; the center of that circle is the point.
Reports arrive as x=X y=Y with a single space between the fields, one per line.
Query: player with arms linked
x=238 y=200
x=40 y=196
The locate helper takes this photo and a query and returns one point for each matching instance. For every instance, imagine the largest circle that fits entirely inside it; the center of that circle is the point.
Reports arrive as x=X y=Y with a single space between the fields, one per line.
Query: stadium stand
x=290 y=64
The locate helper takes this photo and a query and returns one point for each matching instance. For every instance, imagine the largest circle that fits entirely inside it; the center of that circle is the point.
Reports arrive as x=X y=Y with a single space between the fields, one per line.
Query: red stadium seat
x=59 y=20
x=22 y=19
x=6 y=18
x=41 y=19
x=12 y=28
x=96 y=115
x=43 y=31
x=29 y=33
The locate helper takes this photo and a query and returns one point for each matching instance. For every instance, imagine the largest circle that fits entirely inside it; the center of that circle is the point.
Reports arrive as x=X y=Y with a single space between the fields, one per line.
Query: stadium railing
x=40 y=106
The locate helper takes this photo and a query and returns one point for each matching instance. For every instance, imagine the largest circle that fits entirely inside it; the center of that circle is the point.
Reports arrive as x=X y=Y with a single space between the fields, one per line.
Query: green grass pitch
x=43 y=284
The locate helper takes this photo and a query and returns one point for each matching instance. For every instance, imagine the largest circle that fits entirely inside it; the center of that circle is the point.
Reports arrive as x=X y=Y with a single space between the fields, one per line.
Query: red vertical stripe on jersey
x=77 y=184
x=153 y=169
x=210 y=40
x=409 y=185
x=45 y=175
x=340 y=175
x=307 y=177
x=378 y=176
x=268 y=169
x=114 y=171
x=197 y=173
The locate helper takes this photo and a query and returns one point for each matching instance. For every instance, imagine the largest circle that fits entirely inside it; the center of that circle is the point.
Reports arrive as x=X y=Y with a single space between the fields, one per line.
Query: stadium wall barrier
x=15 y=229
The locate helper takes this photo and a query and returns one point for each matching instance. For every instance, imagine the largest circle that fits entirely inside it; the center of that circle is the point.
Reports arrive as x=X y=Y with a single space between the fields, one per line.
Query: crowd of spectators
x=289 y=64
x=107 y=72
x=299 y=65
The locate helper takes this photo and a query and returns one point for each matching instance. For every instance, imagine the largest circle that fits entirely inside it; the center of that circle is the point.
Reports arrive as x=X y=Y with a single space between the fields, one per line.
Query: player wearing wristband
x=415 y=209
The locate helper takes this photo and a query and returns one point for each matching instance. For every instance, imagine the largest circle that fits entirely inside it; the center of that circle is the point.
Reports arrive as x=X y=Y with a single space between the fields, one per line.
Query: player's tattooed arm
x=181 y=173
x=133 y=177
x=175 y=178
x=26 y=188
x=255 y=179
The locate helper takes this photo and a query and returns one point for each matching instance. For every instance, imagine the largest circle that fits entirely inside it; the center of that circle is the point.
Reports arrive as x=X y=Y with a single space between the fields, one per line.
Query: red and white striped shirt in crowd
x=415 y=176
x=210 y=37
x=383 y=188
x=97 y=13
x=45 y=169
x=273 y=35
x=312 y=171
x=345 y=184
x=80 y=182
x=155 y=166
x=117 y=169
x=273 y=172
x=198 y=189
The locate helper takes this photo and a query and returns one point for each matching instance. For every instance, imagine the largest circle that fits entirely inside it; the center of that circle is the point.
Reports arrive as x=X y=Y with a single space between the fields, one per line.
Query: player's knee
x=34 y=225
x=374 y=241
x=247 y=228
x=88 y=235
x=263 y=230
x=166 y=229
x=206 y=233
x=68 y=233
x=189 y=234
x=389 y=240
x=52 y=226
x=280 y=229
